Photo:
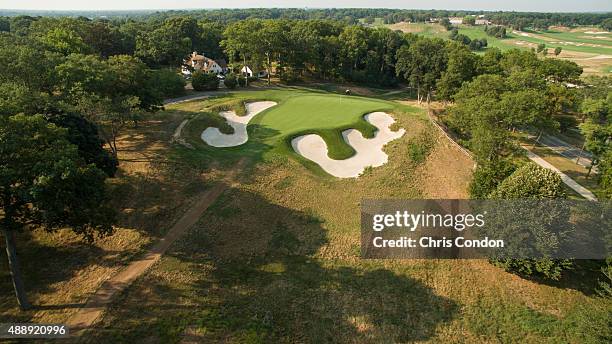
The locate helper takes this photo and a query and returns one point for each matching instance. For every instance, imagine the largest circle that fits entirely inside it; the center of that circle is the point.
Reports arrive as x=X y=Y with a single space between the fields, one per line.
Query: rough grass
x=276 y=260
x=150 y=192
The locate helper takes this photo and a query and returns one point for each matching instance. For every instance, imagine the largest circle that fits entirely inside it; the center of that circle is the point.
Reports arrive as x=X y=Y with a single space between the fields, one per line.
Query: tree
x=354 y=47
x=558 y=51
x=534 y=182
x=162 y=47
x=488 y=176
x=167 y=82
x=204 y=81
x=605 y=174
x=462 y=67
x=469 y=20
x=597 y=129
x=64 y=41
x=239 y=43
x=108 y=92
x=541 y=47
x=5 y=25
x=445 y=22
x=421 y=64
x=270 y=38
x=44 y=183
x=530 y=181
x=607 y=24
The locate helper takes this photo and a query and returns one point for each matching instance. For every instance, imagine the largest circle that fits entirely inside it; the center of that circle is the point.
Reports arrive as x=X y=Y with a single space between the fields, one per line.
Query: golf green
x=318 y=112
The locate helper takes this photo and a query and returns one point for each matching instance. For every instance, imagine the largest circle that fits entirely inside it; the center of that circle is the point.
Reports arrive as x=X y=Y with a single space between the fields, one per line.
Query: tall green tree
x=462 y=67
x=422 y=63
x=45 y=183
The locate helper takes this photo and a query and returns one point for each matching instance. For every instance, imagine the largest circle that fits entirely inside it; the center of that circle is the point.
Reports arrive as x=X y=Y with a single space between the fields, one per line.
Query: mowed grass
x=571 y=41
x=299 y=112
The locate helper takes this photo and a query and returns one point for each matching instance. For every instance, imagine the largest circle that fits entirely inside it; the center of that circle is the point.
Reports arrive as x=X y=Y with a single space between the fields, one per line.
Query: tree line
x=66 y=93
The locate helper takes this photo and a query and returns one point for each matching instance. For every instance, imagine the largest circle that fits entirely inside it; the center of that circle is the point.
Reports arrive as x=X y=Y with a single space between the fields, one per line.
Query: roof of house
x=222 y=63
x=202 y=62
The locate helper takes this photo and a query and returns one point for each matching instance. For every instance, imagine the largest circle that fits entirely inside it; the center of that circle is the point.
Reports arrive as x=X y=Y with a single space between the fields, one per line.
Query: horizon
x=549 y=6
x=285 y=8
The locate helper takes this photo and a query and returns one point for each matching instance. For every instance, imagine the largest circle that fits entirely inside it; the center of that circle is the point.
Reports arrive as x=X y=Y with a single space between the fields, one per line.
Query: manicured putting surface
x=314 y=112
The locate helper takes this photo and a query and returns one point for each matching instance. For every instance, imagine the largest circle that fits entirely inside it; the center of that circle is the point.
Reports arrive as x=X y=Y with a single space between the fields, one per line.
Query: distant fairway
x=588 y=47
x=577 y=41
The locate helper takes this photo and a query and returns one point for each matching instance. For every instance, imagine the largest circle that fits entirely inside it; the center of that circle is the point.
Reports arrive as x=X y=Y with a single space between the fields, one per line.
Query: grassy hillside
x=276 y=260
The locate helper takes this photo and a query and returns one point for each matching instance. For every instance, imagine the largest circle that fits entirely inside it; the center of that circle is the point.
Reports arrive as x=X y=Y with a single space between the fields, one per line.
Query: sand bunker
x=369 y=151
x=215 y=138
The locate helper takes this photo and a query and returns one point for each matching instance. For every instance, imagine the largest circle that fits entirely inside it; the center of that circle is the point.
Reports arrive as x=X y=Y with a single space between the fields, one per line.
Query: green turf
x=298 y=112
x=559 y=39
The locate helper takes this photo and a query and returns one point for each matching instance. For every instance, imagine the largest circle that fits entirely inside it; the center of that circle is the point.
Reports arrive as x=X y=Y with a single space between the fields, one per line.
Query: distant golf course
x=589 y=47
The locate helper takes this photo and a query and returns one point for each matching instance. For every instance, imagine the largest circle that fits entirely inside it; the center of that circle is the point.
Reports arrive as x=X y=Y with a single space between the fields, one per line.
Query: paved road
x=584 y=192
x=565 y=149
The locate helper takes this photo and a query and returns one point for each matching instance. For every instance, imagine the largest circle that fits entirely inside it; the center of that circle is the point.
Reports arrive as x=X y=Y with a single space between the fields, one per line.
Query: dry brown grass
x=150 y=192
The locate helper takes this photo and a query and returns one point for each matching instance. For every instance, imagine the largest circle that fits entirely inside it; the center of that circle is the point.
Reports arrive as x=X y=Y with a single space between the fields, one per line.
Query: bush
x=230 y=81
x=548 y=268
x=204 y=81
x=530 y=181
x=488 y=177
x=534 y=182
x=241 y=81
x=168 y=83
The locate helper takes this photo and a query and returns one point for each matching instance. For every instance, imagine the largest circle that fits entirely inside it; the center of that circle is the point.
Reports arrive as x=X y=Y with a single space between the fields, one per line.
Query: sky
x=514 y=5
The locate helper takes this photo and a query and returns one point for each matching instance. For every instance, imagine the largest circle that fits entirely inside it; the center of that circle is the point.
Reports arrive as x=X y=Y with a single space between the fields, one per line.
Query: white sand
x=369 y=152
x=597 y=32
x=215 y=138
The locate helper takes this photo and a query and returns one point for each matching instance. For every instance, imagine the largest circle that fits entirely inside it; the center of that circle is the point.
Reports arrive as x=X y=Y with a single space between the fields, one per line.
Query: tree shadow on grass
x=44 y=265
x=247 y=272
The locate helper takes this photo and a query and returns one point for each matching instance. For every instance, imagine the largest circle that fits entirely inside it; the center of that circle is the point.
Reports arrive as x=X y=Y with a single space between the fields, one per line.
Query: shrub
x=230 y=81
x=541 y=47
x=168 y=83
x=530 y=181
x=241 y=81
x=204 y=81
x=545 y=267
x=534 y=182
x=488 y=177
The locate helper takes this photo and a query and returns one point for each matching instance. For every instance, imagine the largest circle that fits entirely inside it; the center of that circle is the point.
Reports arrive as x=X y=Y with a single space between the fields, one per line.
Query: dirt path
x=91 y=312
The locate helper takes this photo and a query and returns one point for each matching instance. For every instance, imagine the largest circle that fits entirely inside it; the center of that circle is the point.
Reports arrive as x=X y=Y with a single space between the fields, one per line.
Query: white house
x=246 y=71
x=204 y=64
x=456 y=20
